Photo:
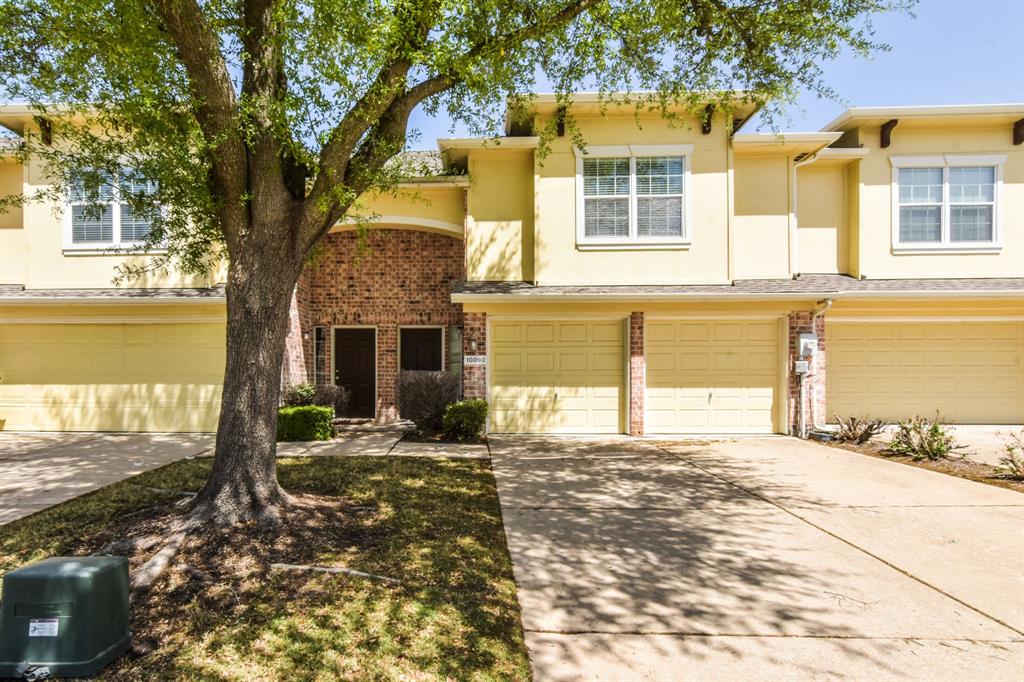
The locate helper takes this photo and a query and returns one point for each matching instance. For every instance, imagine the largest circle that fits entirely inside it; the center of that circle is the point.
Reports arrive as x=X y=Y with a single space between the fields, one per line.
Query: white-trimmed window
x=101 y=217
x=633 y=195
x=946 y=202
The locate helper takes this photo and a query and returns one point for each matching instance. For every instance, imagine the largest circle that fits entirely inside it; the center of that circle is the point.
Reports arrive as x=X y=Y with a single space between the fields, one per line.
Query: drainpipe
x=820 y=310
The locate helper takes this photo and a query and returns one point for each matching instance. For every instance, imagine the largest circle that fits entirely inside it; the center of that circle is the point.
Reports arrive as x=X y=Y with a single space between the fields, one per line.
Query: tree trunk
x=243 y=483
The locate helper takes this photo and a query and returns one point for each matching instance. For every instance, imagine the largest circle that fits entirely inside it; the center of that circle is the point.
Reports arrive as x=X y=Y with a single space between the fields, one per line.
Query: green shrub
x=922 y=439
x=465 y=419
x=1012 y=463
x=857 y=430
x=424 y=396
x=298 y=394
x=305 y=422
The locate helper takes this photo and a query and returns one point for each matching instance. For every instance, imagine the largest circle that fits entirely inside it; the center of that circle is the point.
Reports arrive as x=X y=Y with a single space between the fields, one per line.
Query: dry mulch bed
x=954 y=465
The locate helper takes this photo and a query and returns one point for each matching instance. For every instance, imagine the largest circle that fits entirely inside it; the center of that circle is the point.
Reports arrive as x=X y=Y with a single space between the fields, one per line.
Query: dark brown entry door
x=421 y=349
x=355 y=368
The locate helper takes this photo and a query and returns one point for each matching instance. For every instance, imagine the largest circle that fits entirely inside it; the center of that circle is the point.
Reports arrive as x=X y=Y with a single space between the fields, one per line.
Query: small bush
x=305 y=422
x=1012 y=463
x=465 y=419
x=330 y=395
x=922 y=439
x=857 y=430
x=424 y=396
x=298 y=394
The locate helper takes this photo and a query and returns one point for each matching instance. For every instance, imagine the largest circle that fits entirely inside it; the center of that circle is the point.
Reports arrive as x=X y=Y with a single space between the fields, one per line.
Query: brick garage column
x=815 y=409
x=637 y=374
x=474 y=377
x=387 y=373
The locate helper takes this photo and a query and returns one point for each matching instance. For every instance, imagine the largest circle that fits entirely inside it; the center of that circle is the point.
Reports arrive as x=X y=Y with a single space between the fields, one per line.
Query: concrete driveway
x=39 y=470
x=766 y=558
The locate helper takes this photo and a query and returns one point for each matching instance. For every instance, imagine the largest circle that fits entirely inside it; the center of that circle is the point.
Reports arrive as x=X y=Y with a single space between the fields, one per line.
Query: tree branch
x=387 y=136
x=198 y=47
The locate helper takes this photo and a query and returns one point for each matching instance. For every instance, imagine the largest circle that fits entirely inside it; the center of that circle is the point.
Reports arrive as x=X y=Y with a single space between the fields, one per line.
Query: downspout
x=820 y=310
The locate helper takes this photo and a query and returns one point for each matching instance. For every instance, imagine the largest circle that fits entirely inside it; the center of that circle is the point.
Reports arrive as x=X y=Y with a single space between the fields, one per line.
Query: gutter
x=108 y=300
x=673 y=297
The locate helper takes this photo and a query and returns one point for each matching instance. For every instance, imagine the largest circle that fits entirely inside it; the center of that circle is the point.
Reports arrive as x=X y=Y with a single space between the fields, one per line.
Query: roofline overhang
x=445 y=144
x=919 y=112
x=106 y=300
x=702 y=296
x=807 y=143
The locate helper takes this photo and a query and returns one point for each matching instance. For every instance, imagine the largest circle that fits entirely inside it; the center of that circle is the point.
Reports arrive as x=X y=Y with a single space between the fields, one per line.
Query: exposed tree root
x=334 y=569
x=142 y=578
x=128 y=546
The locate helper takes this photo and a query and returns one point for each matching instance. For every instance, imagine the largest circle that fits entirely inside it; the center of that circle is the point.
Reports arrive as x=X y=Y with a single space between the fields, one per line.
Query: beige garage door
x=716 y=376
x=111 y=377
x=970 y=372
x=557 y=376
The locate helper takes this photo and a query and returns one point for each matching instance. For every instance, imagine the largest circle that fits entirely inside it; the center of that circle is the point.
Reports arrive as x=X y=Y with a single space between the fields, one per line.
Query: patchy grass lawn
x=433 y=525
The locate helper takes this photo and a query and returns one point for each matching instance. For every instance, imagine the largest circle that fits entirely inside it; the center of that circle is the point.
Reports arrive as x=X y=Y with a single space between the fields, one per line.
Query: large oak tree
x=261 y=121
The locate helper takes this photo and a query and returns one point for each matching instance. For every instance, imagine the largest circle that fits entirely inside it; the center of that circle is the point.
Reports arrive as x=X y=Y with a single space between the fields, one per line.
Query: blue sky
x=952 y=52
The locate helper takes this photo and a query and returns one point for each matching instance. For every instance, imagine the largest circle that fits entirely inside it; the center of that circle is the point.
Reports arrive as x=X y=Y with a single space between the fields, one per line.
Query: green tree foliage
x=263 y=120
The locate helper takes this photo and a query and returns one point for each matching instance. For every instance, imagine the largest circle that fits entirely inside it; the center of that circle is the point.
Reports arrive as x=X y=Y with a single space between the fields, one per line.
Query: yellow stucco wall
x=822 y=231
x=875 y=255
x=438 y=209
x=761 y=224
x=500 y=220
x=12 y=234
x=560 y=261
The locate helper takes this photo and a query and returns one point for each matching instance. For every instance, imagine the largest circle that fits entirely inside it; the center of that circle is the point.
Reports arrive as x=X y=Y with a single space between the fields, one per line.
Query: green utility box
x=64 y=617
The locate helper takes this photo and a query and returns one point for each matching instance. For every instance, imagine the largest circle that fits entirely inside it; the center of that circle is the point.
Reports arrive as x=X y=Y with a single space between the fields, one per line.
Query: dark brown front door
x=421 y=349
x=355 y=368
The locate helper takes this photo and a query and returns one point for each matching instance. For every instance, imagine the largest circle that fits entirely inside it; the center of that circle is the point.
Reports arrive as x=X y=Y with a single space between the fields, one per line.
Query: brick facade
x=397 y=278
x=474 y=342
x=637 y=374
x=802 y=322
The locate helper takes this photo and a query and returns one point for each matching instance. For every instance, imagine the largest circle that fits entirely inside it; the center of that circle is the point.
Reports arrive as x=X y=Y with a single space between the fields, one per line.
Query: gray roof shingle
x=16 y=292
x=805 y=285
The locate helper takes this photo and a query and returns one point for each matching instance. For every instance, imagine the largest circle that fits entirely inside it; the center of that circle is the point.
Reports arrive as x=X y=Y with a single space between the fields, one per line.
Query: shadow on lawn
x=433 y=525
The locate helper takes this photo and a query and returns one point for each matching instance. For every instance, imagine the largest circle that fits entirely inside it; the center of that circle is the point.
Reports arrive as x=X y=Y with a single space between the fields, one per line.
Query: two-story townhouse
x=667 y=279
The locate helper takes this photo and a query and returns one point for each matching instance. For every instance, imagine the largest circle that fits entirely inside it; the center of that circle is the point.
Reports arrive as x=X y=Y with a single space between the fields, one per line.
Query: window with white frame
x=946 y=201
x=635 y=194
x=102 y=215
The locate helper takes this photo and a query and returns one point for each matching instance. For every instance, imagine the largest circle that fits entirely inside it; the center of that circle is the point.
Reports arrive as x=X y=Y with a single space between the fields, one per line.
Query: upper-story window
x=946 y=202
x=634 y=195
x=101 y=215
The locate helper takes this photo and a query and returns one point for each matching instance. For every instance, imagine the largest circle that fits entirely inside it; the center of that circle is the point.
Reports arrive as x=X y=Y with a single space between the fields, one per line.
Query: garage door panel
x=569 y=379
x=111 y=377
x=971 y=372
x=723 y=378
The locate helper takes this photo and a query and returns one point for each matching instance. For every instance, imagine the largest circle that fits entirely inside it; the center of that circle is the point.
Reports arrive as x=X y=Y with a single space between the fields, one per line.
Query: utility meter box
x=808 y=345
x=65 y=617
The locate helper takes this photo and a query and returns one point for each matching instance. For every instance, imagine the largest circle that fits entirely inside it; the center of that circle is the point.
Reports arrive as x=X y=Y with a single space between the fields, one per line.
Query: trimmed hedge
x=465 y=419
x=305 y=422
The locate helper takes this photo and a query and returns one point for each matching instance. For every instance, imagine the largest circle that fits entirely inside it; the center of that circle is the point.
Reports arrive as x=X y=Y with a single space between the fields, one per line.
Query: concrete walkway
x=758 y=559
x=39 y=470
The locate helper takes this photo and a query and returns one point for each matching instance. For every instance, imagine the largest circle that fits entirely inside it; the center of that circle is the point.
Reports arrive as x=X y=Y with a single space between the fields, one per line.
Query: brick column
x=637 y=374
x=297 y=365
x=387 y=373
x=815 y=409
x=474 y=377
